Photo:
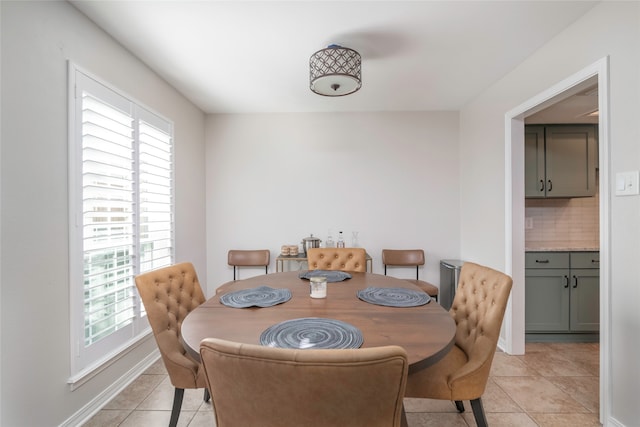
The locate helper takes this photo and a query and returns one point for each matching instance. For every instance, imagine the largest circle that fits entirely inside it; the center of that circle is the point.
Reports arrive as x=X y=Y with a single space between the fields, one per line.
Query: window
x=121 y=214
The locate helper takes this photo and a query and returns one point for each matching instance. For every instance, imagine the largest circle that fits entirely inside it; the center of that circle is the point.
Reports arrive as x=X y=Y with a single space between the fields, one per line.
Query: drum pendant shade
x=335 y=71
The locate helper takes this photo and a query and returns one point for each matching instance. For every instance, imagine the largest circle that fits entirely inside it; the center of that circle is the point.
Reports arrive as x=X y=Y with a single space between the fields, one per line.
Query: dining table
x=425 y=331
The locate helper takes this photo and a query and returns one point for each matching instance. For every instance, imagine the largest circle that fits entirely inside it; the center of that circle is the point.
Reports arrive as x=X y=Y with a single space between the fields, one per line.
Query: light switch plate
x=627 y=183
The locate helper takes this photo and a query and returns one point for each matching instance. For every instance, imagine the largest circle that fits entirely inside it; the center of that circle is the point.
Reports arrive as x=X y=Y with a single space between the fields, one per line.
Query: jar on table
x=318 y=287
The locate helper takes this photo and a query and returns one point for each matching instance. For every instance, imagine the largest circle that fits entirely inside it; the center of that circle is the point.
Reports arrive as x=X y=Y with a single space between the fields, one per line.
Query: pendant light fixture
x=335 y=71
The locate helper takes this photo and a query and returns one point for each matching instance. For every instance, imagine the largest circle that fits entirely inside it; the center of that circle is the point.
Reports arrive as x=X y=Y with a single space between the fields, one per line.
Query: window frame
x=87 y=361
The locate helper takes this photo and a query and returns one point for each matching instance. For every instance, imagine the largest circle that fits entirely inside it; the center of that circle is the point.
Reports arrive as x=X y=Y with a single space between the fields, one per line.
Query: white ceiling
x=253 y=56
x=579 y=106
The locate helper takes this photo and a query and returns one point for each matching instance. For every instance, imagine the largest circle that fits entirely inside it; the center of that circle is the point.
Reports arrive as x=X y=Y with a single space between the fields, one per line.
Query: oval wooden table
x=426 y=332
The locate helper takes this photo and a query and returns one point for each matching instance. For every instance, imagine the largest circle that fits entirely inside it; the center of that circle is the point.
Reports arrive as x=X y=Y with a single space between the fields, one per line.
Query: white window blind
x=121 y=206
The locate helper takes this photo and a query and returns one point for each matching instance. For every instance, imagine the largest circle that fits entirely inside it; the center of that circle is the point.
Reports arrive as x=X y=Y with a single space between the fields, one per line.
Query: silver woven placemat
x=312 y=333
x=393 y=297
x=331 y=275
x=262 y=296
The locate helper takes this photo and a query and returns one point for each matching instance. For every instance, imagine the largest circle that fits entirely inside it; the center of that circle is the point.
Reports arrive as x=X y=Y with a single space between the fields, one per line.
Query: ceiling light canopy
x=335 y=71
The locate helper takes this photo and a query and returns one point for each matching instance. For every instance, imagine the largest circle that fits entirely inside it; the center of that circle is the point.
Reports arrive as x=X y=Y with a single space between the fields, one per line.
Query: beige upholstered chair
x=168 y=295
x=345 y=259
x=263 y=386
x=478 y=309
x=246 y=258
x=409 y=258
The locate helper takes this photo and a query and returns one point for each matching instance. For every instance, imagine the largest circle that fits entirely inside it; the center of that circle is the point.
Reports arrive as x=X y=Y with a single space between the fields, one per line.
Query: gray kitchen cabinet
x=546 y=284
x=562 y=292
x=560 y=161
x=585 y=292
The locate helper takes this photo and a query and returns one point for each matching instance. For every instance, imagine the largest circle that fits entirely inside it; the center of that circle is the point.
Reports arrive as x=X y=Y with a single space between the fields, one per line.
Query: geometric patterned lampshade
x=335 y=71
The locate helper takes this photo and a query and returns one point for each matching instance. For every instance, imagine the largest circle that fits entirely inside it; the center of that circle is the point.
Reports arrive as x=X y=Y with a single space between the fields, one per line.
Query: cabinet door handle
x=566 y=281
x=542 y=261
x=550 y=185
x=595 y=261
x=541 y=185
x=575 y=282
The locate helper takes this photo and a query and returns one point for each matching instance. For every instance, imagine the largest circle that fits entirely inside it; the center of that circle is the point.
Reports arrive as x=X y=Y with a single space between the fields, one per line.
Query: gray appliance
x=449 y=276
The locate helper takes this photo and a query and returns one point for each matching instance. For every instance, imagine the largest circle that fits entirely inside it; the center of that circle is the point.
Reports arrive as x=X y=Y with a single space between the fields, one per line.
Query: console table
x=301 y=257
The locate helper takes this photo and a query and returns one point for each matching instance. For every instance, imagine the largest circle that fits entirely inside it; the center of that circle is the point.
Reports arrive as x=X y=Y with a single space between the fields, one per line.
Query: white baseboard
x=92 y=408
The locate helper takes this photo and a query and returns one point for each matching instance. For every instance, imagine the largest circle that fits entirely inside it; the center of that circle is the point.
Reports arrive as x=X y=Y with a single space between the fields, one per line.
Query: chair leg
x=478 y=413
x=207 y=395
x=403 y=419
x=459 y=406
x=177 y=404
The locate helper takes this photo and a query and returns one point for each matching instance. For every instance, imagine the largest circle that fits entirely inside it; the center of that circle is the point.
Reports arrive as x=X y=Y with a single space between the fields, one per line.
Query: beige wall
x=273 y=179
x=38 y=38
x=610 y=29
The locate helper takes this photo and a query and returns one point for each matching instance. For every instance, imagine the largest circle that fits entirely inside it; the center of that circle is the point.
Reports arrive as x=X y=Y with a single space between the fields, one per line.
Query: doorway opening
x=514 y=336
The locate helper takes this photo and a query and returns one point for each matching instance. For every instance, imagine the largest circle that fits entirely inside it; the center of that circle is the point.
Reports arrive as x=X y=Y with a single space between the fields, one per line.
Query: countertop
x=561 y=246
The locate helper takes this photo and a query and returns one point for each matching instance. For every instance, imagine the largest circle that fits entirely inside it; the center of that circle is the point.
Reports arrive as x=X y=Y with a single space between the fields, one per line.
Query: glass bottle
x=354 y=239
x=340 y=240
x=329 y=243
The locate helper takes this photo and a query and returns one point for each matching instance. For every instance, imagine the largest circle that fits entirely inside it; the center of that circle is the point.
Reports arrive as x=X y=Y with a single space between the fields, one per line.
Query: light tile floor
x=552 y=385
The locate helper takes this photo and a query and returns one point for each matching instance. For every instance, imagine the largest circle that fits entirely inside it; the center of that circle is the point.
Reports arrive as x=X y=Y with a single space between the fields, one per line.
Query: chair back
x=403 y=257
x=249 y=258
x=478 y=309
x=344 y=259
x=462 y=374
x=168 y=295
x=409 y=258
x=262 y=386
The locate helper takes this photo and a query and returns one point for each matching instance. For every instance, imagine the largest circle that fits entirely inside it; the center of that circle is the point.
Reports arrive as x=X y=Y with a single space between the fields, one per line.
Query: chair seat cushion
x=431 y=290
x=433 y=381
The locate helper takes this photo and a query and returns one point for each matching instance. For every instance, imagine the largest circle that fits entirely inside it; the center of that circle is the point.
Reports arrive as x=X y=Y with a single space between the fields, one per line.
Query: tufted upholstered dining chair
x=168 y=295
x=345 y=259
x=245 y=258
x=478 y=309
x=255 y=385
x=409 y=258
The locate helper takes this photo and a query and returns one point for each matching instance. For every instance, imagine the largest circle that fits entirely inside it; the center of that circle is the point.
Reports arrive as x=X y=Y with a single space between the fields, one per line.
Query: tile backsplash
x=571 y=221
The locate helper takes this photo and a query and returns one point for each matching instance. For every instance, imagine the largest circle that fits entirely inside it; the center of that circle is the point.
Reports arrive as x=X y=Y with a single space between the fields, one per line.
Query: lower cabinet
x=562 y=292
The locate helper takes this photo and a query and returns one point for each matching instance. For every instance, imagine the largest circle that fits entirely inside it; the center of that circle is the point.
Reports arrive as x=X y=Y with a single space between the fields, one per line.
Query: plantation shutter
x=121 y=213
x=156 y=192
x=108 y=216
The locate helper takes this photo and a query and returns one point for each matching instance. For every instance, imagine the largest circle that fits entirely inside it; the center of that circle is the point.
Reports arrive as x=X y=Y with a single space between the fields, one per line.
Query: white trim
x=73 y=67
x=604 y=143
x=96 y=404
x=514 y=221
x=109 y=359
x=86 y=364
x=514 y=261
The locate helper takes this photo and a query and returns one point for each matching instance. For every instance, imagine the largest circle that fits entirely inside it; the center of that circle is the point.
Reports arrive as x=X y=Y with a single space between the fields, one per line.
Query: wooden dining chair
x=478 y=309
x=168 y=295
x=245 y=258
x=409 y=258
x=344 y=259
x=255 y=385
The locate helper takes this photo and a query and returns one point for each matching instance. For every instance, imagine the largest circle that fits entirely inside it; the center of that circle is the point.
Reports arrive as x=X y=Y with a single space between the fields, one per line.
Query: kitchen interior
x=562 y=220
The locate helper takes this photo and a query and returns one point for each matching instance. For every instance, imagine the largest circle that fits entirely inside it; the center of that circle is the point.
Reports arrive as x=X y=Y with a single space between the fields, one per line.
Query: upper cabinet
x=560 y=161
